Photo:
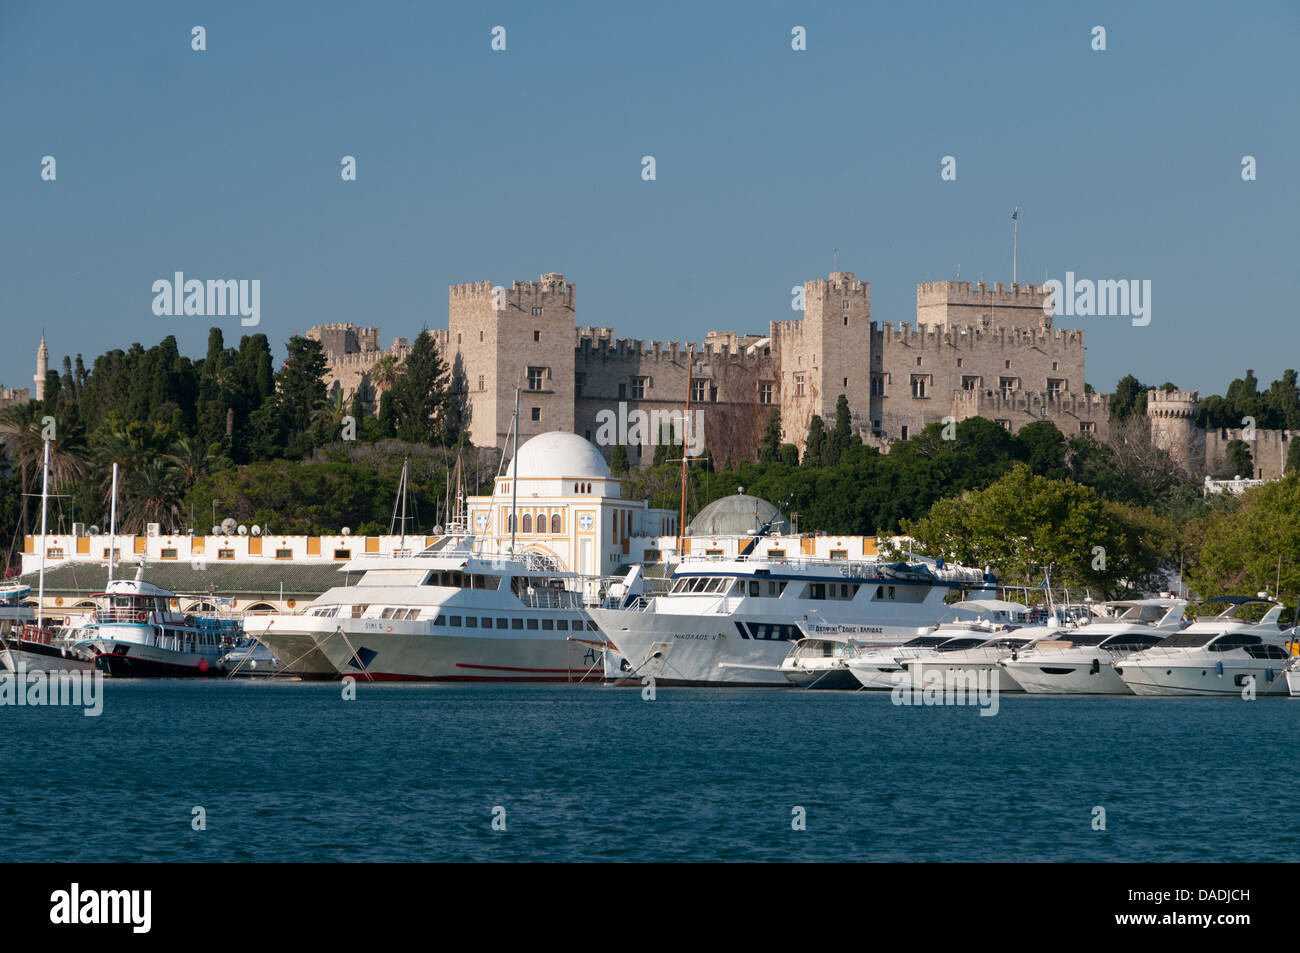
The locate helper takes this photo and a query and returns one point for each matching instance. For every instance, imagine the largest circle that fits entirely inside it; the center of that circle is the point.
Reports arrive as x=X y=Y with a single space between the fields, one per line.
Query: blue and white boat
x=135 y=632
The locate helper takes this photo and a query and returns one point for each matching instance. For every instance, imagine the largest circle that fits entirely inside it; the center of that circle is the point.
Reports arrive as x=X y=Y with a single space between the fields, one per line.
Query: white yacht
x=134 y=632
x=730 y=621
x=1293 y=677
x=1081 y=660
x=881 y=668
x=820 y=662
x=1215 y=656
x=448 y=613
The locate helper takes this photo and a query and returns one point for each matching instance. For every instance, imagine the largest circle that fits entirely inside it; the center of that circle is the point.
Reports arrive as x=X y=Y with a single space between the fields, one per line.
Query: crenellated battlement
x=979 y=293
x=970 y=336
x=600 y=344
x=1174 y=403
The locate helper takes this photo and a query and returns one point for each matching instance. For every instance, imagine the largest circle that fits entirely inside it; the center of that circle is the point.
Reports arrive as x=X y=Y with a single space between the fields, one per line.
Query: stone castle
x=975 y=349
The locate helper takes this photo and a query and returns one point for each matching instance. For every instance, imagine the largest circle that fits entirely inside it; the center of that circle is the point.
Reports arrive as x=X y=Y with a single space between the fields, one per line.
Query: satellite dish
x=346 y=531
x=257 y=530
x=437 y=530
x=94 y=531
x=243 y=530
x=216 y=530
x=228 y=525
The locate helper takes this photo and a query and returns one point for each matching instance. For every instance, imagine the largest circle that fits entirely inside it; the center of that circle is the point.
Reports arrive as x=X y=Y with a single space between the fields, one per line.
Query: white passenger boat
x=730 y=621
x=1217 y=656
x=449 y=613
x=820 y=662
x=134 y=632
x=1081 y=660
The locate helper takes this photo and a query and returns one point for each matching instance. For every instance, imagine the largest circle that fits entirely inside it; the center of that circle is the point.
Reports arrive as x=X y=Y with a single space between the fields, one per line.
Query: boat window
x=961 y=643
x=754 y=587
x=532 y=623
x=455 y=621
x=548 y=625
x=816 y=590
x=562 y=625
x=1266 y=651
x=441 y=620
x=516 y=623
x=926 y=640
x=471 y=622
x=1131 y=640
x=715 y=585
x=502 y=623
x=487 y=622
x=387 y=613
x=1234 y=640
x=1187 y=640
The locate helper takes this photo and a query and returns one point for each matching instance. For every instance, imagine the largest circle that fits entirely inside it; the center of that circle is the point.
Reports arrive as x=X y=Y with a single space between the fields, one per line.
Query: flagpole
x=1014 y=224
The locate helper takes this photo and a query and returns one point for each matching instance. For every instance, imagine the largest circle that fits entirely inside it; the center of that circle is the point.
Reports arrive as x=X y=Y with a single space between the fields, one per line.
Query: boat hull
x=919 y=669
x=37 y=656
x=1164 y=677
x=835 y=677
x=1045 y=676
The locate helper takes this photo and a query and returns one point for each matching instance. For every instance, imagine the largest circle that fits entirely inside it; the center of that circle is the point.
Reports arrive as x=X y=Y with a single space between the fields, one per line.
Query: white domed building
x=570 y=509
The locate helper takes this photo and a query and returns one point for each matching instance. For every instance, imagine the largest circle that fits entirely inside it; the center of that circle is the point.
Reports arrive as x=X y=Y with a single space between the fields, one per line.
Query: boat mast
x=514 y=483
x=686 y=425
x=405 y=464
x=45 y=498
x=112 y=527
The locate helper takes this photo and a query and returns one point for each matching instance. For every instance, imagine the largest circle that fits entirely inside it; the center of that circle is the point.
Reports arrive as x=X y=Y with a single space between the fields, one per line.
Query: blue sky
x=475 y=165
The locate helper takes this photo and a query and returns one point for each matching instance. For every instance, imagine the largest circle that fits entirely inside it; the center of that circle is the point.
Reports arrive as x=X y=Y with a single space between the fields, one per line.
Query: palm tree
x=150 y=497
x=384 y=374
x=190 y=460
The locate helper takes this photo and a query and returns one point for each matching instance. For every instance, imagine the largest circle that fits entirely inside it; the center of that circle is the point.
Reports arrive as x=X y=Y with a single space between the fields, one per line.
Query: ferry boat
x=1216 y=656
x=134 y=632
x=731 y=621
x=1082 y=661
x=451 y=612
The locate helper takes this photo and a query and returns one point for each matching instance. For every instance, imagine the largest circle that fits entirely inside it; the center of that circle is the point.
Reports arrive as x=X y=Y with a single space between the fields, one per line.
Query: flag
x=1015 y=213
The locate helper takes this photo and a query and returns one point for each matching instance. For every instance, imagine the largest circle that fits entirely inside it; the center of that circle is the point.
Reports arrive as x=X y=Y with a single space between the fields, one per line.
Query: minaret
x=42 y=366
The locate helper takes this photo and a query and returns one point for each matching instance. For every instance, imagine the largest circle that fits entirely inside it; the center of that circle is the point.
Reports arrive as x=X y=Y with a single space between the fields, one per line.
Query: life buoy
x=67 y=620
x=139 y=617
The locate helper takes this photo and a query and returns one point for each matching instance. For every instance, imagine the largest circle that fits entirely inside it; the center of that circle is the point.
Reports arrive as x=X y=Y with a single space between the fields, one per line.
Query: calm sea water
x=291 y=772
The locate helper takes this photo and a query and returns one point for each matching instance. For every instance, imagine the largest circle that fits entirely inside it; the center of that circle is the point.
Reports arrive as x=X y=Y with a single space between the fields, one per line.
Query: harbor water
x=290 y=771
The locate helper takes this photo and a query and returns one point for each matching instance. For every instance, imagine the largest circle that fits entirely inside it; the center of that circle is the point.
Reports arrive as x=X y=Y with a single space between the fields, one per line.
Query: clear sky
x=477 y=165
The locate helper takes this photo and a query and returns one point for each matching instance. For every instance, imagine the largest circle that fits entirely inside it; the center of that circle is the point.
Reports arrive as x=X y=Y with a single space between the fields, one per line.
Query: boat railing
x=121 y=616
x=552 y=599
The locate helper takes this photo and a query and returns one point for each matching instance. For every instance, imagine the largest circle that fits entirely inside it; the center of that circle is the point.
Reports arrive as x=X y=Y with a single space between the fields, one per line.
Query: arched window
x=528 y=522
x=555 y=523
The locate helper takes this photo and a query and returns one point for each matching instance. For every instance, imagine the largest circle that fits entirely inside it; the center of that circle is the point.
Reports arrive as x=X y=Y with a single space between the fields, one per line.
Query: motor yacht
x=1081 y=660
x=1222 y=655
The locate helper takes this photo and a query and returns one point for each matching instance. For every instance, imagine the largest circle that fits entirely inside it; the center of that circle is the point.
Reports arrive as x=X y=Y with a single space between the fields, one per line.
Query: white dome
x=559 y=454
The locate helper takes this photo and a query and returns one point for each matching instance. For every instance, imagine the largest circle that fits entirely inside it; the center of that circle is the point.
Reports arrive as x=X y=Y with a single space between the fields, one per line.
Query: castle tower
x=503 y=338
x=825 y=354
x=1173 y=416
x=958 y=304
x=42 y=367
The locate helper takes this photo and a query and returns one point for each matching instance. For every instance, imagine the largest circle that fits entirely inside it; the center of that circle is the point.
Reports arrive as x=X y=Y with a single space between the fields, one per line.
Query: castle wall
x=920 y=369
x=1268 y=451
x=628 y=375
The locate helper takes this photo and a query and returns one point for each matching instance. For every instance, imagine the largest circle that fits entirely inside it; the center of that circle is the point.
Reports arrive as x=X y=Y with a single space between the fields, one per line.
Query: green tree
x=1239 y=460
x=618 y=462
x=420 y=393
x=769 y=448
x=1022 y=524
x=1244 y=550
x=1129 y=399
x=300 y=394
x=815 y=443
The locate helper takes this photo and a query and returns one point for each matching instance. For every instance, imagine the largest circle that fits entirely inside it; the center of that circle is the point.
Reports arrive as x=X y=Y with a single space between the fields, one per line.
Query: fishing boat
x=1224 y=655
x=134 y=632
